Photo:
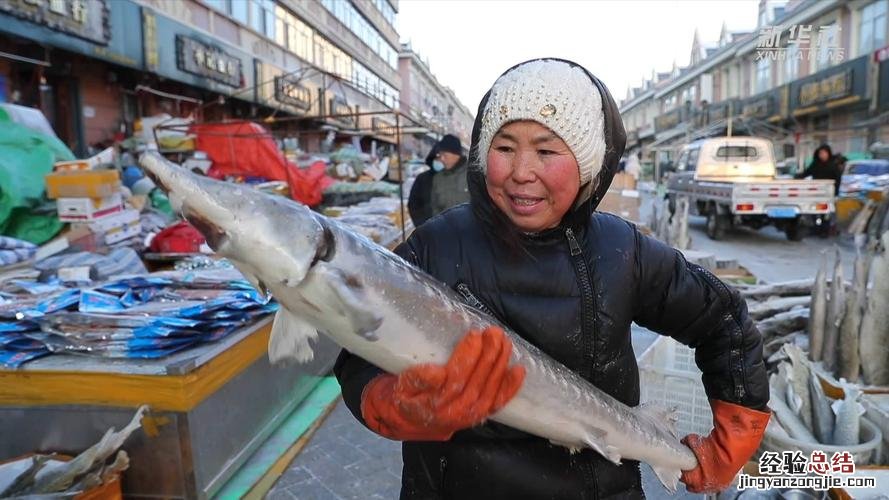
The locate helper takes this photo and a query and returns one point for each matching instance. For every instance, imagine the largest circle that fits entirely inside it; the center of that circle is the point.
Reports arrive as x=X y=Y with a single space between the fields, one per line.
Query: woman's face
x=532 y=175
x=823 y=154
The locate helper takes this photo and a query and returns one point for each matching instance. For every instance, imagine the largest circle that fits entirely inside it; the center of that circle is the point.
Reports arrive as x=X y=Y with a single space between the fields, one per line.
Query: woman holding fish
x=531 y=251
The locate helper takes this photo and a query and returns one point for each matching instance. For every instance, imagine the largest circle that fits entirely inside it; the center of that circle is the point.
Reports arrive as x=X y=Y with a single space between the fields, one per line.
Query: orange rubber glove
x=737 y=431
x=430 y=402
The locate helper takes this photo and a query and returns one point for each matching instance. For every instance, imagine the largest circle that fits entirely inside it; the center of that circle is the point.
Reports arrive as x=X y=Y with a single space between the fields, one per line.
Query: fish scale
x=374 y=304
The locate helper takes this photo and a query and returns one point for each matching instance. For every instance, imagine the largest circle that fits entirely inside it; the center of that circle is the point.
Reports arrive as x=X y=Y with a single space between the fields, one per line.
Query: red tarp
x=247 y=149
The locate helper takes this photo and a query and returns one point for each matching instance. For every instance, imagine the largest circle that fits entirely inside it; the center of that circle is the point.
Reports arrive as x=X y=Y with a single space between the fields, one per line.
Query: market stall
x=116 y=303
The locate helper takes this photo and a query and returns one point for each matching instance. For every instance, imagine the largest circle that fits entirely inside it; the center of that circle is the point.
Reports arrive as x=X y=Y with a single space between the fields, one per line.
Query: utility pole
x=730 y=111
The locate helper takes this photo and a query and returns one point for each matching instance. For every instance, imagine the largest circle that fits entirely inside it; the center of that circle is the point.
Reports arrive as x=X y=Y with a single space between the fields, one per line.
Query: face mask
x=437 y=165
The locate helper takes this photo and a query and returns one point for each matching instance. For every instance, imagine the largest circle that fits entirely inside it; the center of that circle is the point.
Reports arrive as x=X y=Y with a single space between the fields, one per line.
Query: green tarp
x=26 y=156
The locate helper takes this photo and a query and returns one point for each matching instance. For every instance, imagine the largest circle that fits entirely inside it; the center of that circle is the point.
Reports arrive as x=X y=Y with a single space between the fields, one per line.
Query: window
x=386 y=10
x=736 y=152
x=692 y=160
x=239 y=10
x=872 y=27
x=262 y=17
x=791 y=64
x=828 y=40
x=763 y=75
x=346 y=13
x=220 y=5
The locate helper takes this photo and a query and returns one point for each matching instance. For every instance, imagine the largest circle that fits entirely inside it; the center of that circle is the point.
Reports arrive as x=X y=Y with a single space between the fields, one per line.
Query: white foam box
x=88 y=209
x=117 y=227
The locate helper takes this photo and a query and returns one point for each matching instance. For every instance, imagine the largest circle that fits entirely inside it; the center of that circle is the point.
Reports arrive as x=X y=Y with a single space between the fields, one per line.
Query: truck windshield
x=736 y=152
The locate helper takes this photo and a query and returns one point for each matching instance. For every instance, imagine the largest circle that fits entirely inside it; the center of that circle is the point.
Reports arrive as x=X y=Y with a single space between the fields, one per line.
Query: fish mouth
x=216 y=236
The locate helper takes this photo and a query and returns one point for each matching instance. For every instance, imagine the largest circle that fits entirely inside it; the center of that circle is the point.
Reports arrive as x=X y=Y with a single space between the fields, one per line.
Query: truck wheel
x=717 y=225
x=794 y=231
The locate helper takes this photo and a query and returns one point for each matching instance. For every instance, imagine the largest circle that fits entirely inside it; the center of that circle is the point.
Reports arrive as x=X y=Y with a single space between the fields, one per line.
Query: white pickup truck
x=731 y=181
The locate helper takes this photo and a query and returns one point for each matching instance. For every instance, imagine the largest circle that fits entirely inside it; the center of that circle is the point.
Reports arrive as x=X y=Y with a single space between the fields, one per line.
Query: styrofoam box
x=88 y=209
x=117 y=227
x=668 y=376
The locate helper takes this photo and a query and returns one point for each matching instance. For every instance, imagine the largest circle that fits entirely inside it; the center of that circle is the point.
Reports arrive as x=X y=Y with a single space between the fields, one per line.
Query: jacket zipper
x=589 y=301
x=735 y=338
x=472 y=301
x=587 y=327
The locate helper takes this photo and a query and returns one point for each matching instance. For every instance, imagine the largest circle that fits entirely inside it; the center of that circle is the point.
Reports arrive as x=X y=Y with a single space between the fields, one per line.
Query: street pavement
x=344 y=460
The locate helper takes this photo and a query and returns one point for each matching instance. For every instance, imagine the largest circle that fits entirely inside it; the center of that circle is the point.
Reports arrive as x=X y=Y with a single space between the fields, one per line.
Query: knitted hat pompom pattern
x=559 y=96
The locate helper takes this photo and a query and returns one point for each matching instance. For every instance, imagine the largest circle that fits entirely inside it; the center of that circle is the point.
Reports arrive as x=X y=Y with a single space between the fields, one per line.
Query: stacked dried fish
x=874 y=338
x=849 y=327
x=85 y=471
x=847 y=323
x=802 y=410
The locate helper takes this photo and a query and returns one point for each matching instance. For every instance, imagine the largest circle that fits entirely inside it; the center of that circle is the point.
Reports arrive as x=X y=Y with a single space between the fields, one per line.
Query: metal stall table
x=211 y=408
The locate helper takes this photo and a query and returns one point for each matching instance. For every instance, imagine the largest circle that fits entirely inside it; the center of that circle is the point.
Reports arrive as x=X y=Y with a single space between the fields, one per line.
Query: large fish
x=848 y=416
x=371 y=302
x=789 y=420
x=836 y=309
x=776 y=305
x=818 y=312
x=793 y=288
x=874 y=341
x=799 y=375
x=822 y=415
x=849 y=362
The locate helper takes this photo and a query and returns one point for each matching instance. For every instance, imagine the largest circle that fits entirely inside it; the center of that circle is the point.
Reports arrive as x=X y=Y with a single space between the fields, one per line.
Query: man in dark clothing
x=443 y=185
x=824 y=166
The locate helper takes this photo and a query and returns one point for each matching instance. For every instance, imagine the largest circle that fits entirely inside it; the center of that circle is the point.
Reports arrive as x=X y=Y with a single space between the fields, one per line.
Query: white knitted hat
x=560 y=97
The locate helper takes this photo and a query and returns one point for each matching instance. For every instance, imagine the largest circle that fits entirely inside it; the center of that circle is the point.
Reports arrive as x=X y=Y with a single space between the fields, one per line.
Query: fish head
x=269 y=238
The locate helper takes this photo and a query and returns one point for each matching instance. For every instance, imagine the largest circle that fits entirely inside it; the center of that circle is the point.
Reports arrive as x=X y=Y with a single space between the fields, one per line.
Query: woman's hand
x=430 y=402
x=737 y=431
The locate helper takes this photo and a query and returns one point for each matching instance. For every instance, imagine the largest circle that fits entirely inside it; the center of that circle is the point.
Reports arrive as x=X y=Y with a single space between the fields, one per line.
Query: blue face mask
x=437 y=165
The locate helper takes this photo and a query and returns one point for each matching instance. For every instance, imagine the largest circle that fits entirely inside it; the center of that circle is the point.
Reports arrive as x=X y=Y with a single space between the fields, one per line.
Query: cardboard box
x=88 y=209
x=622 y=205
x=83 y=184
x=117 y=227
x=622 y=180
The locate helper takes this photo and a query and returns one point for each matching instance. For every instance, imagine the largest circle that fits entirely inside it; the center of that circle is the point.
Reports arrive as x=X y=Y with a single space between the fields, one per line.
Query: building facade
x=811 y=73
x=304 y=67
x=433 y=107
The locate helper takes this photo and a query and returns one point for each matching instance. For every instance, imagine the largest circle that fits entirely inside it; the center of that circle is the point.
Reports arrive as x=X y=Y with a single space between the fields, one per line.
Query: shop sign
x=344 y=112
x=198 y=58
x=760 y=107
x=667 y=121
x=288 y=90
x=382 y=127
x=719 y=111
x=86 y=19
x=826 y=89
x=149 y=39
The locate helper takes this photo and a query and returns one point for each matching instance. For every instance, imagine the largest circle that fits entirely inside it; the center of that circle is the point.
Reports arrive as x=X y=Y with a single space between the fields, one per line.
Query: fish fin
x=344 y=293
x=669 y=477
x=595 y=439
x=257 y=284
x=572 y=449
x=661 y=416
x=290 y=338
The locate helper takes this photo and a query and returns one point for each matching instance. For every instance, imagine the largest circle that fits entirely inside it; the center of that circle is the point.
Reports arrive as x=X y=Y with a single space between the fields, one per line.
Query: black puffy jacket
x=572 y=291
